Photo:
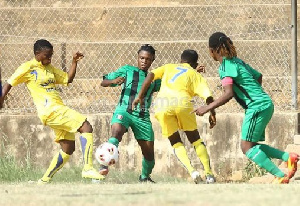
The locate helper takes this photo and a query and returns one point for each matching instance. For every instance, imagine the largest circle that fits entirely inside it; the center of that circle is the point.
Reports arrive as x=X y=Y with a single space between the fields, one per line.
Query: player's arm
x=112 y=82
x=140 y=97
x=5 y=89
x=227 y=83
x=72 y=71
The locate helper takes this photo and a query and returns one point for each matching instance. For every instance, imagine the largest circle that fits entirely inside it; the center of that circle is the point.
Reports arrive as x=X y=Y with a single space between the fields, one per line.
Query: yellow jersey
x=41 y=82
x=179 y=84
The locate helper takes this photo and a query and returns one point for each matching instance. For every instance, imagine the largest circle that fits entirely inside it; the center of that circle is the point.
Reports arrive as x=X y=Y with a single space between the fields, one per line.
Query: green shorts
x=255 y=123
x=141 y=127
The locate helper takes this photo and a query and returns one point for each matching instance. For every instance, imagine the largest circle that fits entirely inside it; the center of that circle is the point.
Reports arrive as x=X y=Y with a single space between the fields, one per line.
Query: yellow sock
x=203 y=156
x=182 y=156
x=86 y=140
x=57 y=162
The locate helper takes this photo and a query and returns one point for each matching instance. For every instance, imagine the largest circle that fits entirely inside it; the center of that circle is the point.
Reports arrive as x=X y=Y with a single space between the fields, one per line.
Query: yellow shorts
x=173 y=119
x=65 y=122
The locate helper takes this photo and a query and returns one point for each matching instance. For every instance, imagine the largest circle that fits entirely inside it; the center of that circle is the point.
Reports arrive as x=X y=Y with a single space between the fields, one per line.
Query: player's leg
x=143 y=132
x=148 y=161
x=253 y=130
x=67 y=142
x=169 y=124
x=201 y=151
x=117 y=132
x=71 y=121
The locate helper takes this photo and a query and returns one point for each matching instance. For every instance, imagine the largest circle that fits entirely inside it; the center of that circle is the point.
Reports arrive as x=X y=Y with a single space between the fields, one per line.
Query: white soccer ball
x=107 y=154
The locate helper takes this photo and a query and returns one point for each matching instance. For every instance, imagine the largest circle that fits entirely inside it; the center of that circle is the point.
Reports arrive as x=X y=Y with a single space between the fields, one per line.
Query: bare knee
x=67 y=146
x=86 y=127
x=245 y=145
x=192 y=136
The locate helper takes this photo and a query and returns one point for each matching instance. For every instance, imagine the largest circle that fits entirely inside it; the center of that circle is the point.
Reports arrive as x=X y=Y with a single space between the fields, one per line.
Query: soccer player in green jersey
x=244 y=83
x=131 y=78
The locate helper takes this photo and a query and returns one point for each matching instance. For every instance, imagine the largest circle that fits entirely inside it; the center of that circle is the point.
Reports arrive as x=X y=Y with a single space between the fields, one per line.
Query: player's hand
x=77 y=56
x=118 y=80
x=136 y=102
x=200 y=68
x=201 y=110
x=212 y=120
x=1 y=102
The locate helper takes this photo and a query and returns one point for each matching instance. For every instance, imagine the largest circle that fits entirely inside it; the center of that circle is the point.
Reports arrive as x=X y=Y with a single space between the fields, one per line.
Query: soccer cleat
x=103 y=170
x=196 y=177
x=146 y=180
x=210 y=179
x=92 y=173
x=281 y=180
x=292 y=164
x=44 y=181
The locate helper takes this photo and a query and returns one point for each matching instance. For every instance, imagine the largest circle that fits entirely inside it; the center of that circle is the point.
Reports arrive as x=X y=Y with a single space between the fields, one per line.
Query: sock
x=147 y=167
x=203 y=155
x=274 y=153
x=114 y=141
x=86 y=140
x=181 y=154
x=261 y=159
x=57 y=162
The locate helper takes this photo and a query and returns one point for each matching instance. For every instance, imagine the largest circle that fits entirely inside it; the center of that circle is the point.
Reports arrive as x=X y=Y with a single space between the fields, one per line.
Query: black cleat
x=146 y=180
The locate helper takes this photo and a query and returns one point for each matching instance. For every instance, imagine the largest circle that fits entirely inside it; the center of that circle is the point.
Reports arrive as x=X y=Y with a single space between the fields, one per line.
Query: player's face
x=212 y=53
x=44 y=56
x=145 y=60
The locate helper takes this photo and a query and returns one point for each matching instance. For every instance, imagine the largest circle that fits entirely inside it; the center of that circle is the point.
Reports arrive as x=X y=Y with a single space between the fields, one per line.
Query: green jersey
x=247 y=91
x=134 y=78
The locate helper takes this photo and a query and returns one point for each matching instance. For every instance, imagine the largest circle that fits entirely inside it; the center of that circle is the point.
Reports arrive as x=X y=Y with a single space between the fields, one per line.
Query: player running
x=173 y=107
x=41 y=77
x=131 y=78
x=242 y=82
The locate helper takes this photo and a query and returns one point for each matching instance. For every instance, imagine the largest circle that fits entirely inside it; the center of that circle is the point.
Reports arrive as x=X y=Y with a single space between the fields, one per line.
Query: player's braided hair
x=222 y=44
x=148 y=48
x=41 y=44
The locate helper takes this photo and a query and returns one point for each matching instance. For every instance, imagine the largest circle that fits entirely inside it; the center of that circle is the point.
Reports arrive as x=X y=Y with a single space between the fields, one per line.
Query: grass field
x=18 y=187
x=149 y=194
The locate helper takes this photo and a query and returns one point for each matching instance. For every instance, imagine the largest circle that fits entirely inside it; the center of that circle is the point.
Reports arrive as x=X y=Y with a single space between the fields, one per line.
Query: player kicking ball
x=241 y=81
x=131 y=79
x=173 y=107
x=41 y=77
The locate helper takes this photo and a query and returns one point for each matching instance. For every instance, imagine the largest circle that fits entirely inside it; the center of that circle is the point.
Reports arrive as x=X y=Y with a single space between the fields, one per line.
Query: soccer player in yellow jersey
x=173 y=108
x=41 y=77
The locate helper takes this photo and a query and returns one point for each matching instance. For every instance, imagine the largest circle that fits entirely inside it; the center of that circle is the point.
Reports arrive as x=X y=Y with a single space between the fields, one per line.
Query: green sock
x=261 y=159
x=147 y=167
x=114 y=141
x=274 y=153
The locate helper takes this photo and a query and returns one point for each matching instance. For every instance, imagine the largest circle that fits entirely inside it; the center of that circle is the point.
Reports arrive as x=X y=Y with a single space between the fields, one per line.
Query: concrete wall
x=27 y=139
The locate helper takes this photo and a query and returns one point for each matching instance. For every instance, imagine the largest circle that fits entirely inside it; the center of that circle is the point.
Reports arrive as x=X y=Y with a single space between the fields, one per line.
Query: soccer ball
x=107 y=154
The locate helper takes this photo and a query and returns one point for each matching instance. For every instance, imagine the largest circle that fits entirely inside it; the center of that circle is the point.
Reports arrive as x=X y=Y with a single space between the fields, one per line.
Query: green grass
x=12 y=171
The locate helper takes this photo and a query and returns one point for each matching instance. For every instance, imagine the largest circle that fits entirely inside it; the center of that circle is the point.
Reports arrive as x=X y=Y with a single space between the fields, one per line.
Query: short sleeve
x=158 y=72
x=61 y=77
x=199 y=86
x=121 y=72
x=254 y=72
x=21 y=75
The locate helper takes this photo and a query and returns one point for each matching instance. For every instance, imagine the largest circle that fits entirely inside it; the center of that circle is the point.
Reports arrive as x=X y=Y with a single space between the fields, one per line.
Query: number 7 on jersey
x=181 y=71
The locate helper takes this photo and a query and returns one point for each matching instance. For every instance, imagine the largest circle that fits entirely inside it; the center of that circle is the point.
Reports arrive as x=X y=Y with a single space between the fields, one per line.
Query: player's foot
x=91 y=173
x=196 y=177
x=146 y=180
x=281 y=180
x=292 y=164
x=103 y=170
x=44 y=181
x=210 y=179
